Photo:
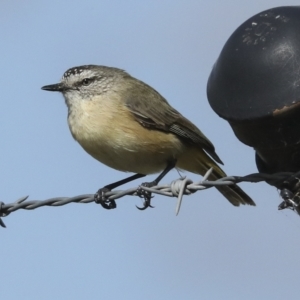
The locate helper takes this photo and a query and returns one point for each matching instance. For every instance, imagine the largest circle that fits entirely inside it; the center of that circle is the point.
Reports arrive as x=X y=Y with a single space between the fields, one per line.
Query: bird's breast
x=109 y=133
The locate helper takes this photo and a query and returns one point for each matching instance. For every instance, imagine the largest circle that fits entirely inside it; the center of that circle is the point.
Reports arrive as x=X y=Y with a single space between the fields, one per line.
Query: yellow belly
x=120 y=142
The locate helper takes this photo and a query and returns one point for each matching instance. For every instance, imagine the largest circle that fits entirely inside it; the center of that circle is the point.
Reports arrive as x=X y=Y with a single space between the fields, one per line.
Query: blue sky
x=212 y=250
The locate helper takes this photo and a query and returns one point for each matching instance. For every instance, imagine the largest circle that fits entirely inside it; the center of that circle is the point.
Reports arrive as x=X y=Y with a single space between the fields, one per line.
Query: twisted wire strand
x=287 y=182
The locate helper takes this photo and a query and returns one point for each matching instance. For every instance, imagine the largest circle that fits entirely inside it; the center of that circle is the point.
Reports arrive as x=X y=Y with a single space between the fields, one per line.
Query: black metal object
x=255 y=86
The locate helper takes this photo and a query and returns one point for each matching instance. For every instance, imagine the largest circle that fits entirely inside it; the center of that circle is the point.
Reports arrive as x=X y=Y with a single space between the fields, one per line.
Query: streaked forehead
x=77 y=71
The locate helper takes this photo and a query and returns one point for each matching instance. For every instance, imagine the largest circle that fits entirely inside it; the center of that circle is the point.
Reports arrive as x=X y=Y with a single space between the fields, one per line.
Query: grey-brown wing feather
x=151 y=110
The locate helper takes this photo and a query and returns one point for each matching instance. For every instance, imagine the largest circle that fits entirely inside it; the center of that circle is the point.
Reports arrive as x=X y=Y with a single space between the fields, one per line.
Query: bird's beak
x=59 y=87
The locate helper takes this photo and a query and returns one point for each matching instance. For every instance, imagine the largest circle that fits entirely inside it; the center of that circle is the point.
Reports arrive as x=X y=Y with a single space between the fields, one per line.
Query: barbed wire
x=287 y=182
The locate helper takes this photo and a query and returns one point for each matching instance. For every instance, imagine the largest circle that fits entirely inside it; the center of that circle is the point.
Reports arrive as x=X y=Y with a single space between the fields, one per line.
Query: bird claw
x=146 y=204
x=145 y=194
x=100 y=198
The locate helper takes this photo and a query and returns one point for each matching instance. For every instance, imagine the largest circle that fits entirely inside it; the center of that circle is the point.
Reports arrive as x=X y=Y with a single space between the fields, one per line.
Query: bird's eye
x=86 y=81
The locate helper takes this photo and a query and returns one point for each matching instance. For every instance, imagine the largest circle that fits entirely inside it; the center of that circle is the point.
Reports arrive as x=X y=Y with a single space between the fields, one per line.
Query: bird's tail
x=233 y=193
x=197 y=161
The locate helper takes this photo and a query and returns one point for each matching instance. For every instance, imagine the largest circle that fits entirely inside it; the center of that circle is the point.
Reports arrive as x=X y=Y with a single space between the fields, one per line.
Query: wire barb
x=288 y=183
x=2 y=215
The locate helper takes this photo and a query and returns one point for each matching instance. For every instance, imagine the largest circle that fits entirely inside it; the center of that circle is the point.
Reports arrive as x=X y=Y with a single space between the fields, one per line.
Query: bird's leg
x=100 y=195
x=147 y=195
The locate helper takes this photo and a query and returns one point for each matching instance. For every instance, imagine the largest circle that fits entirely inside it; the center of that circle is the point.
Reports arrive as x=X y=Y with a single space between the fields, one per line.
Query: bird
x=128 y=126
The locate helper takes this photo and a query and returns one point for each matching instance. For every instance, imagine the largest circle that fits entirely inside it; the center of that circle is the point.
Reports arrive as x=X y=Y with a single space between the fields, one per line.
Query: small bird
x=127 y=125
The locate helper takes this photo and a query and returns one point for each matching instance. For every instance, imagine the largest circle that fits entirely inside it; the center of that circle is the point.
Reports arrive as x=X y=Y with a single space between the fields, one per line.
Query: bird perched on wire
x=127 y=125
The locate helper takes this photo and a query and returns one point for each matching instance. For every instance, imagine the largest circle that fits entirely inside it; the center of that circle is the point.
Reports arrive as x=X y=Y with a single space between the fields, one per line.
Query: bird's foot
x=145 y=194
x=100 y=198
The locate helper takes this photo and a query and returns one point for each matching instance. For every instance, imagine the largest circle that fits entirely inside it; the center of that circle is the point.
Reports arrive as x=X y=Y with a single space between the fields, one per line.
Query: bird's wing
x=151 y=110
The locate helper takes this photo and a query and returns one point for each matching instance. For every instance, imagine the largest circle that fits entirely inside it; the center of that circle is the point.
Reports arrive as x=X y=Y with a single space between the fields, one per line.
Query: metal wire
x=288 y=183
